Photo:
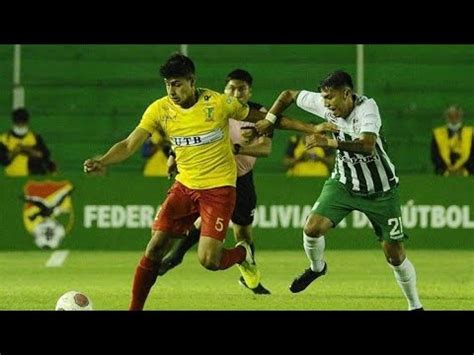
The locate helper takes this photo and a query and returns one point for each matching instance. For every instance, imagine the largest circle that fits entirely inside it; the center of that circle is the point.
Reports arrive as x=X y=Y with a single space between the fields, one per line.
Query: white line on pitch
x=57 y=258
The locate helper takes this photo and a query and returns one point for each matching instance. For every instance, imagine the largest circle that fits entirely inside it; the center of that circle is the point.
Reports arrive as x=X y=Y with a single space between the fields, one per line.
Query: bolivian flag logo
x=48 y=214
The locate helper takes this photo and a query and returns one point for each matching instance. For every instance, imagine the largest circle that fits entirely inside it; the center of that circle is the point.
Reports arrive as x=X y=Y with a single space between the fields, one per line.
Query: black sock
x=187 y=242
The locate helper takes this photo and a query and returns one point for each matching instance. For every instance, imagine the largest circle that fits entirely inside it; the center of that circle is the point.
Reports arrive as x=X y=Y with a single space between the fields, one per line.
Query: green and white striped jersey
x=363 y=174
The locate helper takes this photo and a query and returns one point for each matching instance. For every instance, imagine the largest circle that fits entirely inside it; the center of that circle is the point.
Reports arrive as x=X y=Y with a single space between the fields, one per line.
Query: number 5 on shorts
x=219 y=226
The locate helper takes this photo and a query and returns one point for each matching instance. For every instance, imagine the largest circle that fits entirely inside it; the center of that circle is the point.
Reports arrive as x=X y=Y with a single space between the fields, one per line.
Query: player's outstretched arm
x=264 y=125
x=119 y=151
x=291 y=124
x=266 y=121
x=274 y=119
x=254 y=115
x=364 y=145
x=283 y=101
x=262 y=147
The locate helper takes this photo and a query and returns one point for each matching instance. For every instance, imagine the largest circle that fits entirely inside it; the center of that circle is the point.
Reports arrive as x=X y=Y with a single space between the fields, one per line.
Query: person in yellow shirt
x=156 y=151
x=300 y=161
x=452 y=148
x=243 y=136
x=196 y=121
x=22 y=151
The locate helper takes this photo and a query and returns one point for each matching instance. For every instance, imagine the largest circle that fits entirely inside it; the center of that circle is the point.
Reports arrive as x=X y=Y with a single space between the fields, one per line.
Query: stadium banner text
x=115 y=212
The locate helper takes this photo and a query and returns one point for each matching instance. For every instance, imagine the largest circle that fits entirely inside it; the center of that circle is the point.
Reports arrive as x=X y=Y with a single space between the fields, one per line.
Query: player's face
x=339 y=101
x=238 y=89
x=181 y=90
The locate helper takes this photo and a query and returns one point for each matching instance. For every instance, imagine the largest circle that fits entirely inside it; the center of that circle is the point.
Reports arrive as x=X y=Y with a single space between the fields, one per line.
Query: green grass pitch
x=356 y=280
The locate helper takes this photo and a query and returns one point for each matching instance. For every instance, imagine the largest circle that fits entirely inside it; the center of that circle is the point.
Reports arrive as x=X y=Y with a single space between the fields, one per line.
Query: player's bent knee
x=208 y=263
x=313 y=230
x=316 y=226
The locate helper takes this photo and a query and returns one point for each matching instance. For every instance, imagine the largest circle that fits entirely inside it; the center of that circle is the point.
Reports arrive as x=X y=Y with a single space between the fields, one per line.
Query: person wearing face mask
x=452 y=148
x=22 y=151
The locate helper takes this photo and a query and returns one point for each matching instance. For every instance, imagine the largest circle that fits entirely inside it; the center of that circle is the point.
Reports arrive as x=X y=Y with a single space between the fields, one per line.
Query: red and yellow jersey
x=200 y=137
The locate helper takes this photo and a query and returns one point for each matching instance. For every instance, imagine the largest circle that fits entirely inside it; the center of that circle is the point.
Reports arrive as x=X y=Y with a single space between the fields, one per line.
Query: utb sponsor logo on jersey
x=48 y=213
x=192 y=141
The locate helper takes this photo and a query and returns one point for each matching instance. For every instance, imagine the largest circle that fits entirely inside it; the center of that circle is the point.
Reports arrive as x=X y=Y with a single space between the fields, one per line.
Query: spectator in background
x=300 y=161
x=156 y=150
x=452 y=148
x=22 y=151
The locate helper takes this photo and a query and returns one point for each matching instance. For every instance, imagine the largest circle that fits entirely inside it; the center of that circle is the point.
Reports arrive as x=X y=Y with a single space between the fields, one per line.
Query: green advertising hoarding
x=115 y=212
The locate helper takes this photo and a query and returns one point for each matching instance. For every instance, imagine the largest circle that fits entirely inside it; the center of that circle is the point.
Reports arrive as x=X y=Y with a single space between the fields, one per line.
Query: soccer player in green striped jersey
x=363 y=178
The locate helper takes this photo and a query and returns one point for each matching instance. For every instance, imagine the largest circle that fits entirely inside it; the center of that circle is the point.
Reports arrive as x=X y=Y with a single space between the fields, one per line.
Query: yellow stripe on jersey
x=200 y=137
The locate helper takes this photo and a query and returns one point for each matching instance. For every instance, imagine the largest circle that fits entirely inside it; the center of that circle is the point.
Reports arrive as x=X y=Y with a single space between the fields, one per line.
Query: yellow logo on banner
x=48 y=214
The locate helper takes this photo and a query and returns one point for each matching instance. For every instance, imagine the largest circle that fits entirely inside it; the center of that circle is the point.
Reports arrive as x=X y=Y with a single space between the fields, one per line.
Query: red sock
x=231 y=257
x=145 y=276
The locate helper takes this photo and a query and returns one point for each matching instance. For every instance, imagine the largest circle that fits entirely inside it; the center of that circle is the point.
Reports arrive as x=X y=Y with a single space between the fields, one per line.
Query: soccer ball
x=74 y=301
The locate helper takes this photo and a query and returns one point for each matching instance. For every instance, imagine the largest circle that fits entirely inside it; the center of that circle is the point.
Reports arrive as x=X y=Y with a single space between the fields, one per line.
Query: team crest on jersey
x=209 y=113
x=48 y=213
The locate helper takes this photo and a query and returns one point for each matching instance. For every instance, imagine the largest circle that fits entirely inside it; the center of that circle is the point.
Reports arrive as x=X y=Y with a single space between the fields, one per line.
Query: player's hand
x=315 y=140
x=92 y=165
x=263 y=126
x=325 y=127
x=248 y=134
x=172 y=167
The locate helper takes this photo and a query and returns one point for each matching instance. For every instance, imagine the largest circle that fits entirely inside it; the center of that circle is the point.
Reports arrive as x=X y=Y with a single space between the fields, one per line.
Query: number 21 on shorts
x=397 y=227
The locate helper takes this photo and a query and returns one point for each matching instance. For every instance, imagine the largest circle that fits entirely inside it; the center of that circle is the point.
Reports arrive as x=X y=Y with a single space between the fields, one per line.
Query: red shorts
x=183 y=206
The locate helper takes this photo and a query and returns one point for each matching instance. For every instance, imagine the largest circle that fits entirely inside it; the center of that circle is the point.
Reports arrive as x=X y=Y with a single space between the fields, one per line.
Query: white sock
x=314 y=248
x=406 y=277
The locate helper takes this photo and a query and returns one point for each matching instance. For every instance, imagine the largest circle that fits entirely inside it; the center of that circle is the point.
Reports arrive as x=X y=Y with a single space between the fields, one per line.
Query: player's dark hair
x=337 y=80
x=239 y=74
x=20 y=115
x=177 y=66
